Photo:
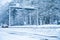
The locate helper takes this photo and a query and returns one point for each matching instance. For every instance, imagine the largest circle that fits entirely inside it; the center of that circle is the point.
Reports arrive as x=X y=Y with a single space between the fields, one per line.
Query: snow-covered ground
x=29 y=33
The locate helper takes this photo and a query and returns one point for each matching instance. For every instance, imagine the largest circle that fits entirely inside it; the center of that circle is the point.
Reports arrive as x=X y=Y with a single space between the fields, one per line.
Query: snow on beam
x=25 y=7
x=29 y=7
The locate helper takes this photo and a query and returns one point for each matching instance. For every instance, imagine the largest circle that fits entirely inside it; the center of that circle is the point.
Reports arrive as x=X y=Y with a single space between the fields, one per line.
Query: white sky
x=3 y=2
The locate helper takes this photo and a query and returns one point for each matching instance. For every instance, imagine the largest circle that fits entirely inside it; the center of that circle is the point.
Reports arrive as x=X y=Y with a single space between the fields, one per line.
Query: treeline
x=45 y=12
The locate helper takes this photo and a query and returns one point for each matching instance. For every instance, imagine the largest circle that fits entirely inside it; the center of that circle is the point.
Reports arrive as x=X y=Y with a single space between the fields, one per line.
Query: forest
x=30 y=12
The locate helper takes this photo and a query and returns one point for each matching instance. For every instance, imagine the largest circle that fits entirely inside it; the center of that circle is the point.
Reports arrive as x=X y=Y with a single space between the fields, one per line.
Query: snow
x=29 y=34
x=37 y=26
x=7 y=36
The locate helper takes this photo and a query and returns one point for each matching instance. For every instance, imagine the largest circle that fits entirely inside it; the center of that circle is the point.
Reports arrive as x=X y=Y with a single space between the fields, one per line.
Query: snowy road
x=28 y=34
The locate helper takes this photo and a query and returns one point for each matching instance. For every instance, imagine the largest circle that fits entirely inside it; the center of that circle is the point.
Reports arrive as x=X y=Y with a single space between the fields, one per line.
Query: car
x=4 y=26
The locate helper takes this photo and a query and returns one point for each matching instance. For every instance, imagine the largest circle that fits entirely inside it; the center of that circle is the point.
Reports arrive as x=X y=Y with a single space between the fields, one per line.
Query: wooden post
x=37 y=16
